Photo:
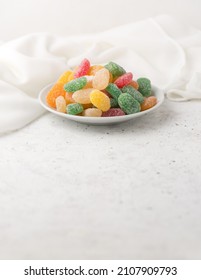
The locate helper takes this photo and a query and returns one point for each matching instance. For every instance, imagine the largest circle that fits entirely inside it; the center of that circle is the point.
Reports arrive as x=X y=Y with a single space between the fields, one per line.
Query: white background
x=65 y=17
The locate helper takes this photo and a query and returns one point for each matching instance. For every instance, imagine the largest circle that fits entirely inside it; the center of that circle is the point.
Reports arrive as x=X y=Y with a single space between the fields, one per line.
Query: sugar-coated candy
x=82 y=69
x=82 y=96
x=114 y=103
x=76 y=84
x=100 y=100
x=65 y=77
x=134 y=93
x=115 y=69
x=89 y=82
x=128 y=104
x=134 y=84
x=61 y=104
x=148 y=103
x=69 y=98
x=113 y=112
x=93 y=69
x=124 y=80
x=74 y=109
x=144 y=86
x=54 y=92
x=101 y=79
x=113 y=90
x=92 y=112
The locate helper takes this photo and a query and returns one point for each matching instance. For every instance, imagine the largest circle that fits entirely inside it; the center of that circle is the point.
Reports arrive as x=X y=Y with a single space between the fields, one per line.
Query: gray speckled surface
x=129 y=191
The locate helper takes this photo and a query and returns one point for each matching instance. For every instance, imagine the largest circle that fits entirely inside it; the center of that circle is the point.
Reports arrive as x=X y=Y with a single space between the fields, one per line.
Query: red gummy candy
x=113 y=112
x=82 y=69
x=124 y=80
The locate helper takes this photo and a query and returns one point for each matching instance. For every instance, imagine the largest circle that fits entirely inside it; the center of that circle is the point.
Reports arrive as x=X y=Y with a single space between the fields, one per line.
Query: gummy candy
x=134 y=84
x=113 y=112
x=54 y=92
x=92 y=112
x=61 y=104
x=113 y=103
x=82 y=69
x=148 y=103
x=76 y=84
x=100 y=100
x=128 y=104
x=115 y=69
x=134 y=93
x=93 y=69
x=69 y=98
x=89 y=82
x=82 y=96
x=144 y=86
x=101 y=79
x=124 y=80
x=113 y=90
x=74 y=108
x=65 y=77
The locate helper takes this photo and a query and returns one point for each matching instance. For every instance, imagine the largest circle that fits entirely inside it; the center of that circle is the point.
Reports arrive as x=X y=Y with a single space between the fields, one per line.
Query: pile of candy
x=100 y=91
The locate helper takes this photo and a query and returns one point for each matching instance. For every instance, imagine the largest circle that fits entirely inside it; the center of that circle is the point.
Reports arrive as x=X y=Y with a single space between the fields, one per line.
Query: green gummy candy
x=115 y=69
x=134 y=93
x=74 y=109
x=128 y=104
x=144 y=86
x=113 y=90
x=75 y=84
x=114 y=103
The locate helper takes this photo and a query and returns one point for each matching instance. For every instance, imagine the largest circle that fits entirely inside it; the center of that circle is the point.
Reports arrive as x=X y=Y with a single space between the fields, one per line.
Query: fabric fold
x=161 y=48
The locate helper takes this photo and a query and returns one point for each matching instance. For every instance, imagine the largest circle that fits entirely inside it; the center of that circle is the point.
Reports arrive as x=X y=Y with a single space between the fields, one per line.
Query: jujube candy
x=114 y=103
x=93 y=69
x=134 y=84
x=148 y=103
x=92 y=112
x=54 y=92
x=65 y=77
x=82 y=69
x=128 y=104
x=76 y=84
x=144 y=86
x=124 y=80
x=82 y=96
x=101 y=79
x=74 y=109
x=115 y=69
x=113 y=90
x=61 y=104
x=100 y=100
x=134 y=93
x=113 y=112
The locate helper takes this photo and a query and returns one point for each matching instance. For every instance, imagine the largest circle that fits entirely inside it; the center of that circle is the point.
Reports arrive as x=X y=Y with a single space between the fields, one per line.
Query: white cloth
x=166 y=51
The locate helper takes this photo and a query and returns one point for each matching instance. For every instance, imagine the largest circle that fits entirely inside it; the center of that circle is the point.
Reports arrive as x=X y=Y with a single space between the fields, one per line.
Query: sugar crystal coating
x=113 y=90
x=133 y=92
x=115 y=69
x=124 y=80
x=100 y=100
x=101 y=79
x=61 y=104
x=76 y=84
x=74 y=109
x=82 y=69
x=113 y=112
x=148 y=103
x=128 y=104
x=144 y=86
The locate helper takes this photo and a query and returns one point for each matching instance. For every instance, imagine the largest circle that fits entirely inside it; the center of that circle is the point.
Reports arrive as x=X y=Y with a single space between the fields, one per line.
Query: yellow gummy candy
x=100 y=100
x=65 y=77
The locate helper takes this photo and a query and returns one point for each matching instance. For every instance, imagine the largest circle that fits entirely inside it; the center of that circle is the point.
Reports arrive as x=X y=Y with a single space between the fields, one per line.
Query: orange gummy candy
x=55 y=91
x=148 y=103
x=134 y=84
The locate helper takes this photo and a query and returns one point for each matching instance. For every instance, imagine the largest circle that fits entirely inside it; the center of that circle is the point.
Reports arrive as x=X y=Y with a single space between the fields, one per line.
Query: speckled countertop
x=72 y=191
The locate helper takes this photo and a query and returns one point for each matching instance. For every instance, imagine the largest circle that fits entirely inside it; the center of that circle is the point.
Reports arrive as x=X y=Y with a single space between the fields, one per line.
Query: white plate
x=101 y=120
